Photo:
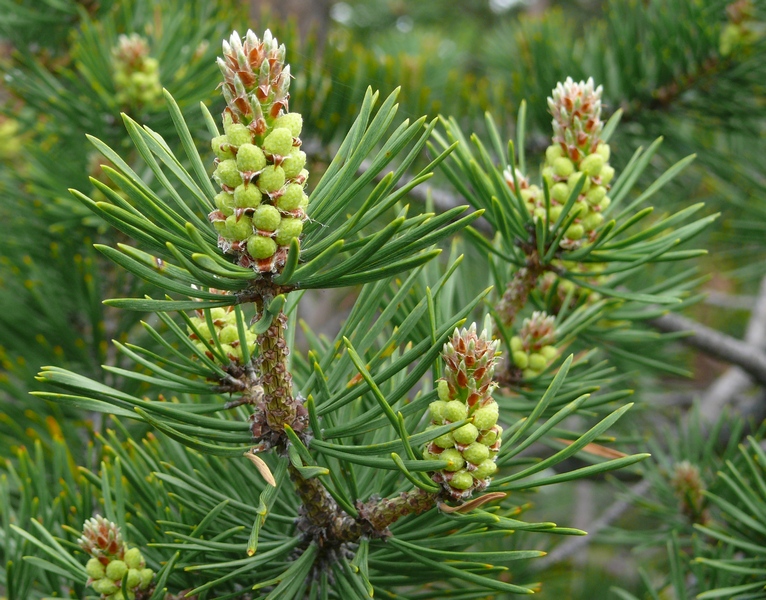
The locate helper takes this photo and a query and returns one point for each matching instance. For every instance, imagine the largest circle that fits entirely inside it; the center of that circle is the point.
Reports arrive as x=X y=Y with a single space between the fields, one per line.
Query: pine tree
x=396 y=456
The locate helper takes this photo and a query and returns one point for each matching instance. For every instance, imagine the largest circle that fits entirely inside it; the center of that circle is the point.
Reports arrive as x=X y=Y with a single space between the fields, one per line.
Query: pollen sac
x=111 y=560
x=559 y=292
x=465 y=396
x=225 y=331
x=533 y=350
x=136 y=74
x=259 y=163
x=577 y=157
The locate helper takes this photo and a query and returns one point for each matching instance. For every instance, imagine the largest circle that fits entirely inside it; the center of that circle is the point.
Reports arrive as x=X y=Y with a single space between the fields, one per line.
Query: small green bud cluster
x=465 y=394
x=10 y=140
x=136 y=74
x=564 y=286
x=534 y=348
x=743 y=30
x=689 y=489
x=225 y=324
x=532 y=195
x=259 y=162
x=111 y=561
x=577 y=152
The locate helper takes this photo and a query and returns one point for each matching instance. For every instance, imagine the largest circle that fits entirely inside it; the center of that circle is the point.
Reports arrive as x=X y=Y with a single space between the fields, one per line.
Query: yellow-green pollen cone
x=465 y=394
x=533 y=350
x=111 y=560
x=259 y=163
x=136 y=74
x=556 y=297
x=225 y=325
x=577 y=153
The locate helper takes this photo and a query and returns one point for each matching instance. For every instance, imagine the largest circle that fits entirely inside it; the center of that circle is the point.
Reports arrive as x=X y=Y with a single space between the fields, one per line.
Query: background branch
x=741 y=353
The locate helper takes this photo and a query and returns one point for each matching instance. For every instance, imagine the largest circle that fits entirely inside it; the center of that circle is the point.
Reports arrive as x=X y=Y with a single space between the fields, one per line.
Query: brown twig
x=735 y=380
x=746 y=356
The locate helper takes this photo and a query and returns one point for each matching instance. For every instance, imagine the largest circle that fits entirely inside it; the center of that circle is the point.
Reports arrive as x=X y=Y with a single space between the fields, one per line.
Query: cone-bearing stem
x=279 y=407
x=516 y=294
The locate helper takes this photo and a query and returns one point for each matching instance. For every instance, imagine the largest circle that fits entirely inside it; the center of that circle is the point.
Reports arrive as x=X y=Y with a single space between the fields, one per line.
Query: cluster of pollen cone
x=577 y=152
x=114 y=570
x=465 y=394
x=259 y=162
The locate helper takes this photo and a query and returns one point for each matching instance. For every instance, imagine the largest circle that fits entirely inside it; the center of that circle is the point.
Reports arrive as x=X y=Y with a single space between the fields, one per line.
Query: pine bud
x=134 y=559
x=560 y=192
x=466 y=434
x=95 y=569
x=134 y=578
x=238 y=135
x=227 y=173
x=553 y=152
x=289 y=228
x=271 y=179
x=521 y=359
x=104 y=586
x=486 y=417
x=535 y=341
x=592 y=221
x=576 y=110
x=247 y=195
x=292 y=121
x=607 y=174
x=221 y=147
x=238 y=228
x=136 y=74
x=437 y=409
x=260 y=247
x=250 y=158
x=116 y=570
x=455 y=411
x=689 y=489
x=111 y=560
x=476 y=453
x=101 y=538
x=592 y=164
x=294 y=163
x=485 y=470
x=227 y=332
x=575 y=232
x=266 y=218
x=595 y=195
x=224 y=202
x=146 y=578
x=462 y=480
x=579 y=157
x=279 y=142
x=490 y=436
x=291 y=197
x=563 y=167
x=537 y=362
x=445 y=441
x=454 y=458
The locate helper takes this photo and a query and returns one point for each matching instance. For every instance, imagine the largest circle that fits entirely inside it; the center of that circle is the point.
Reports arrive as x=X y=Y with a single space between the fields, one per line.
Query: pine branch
x=323 y=521
x=736 y=380
x=442 y=200
x=609 y=516
x=517 y=293
x=280 y=406
x=717 y=344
